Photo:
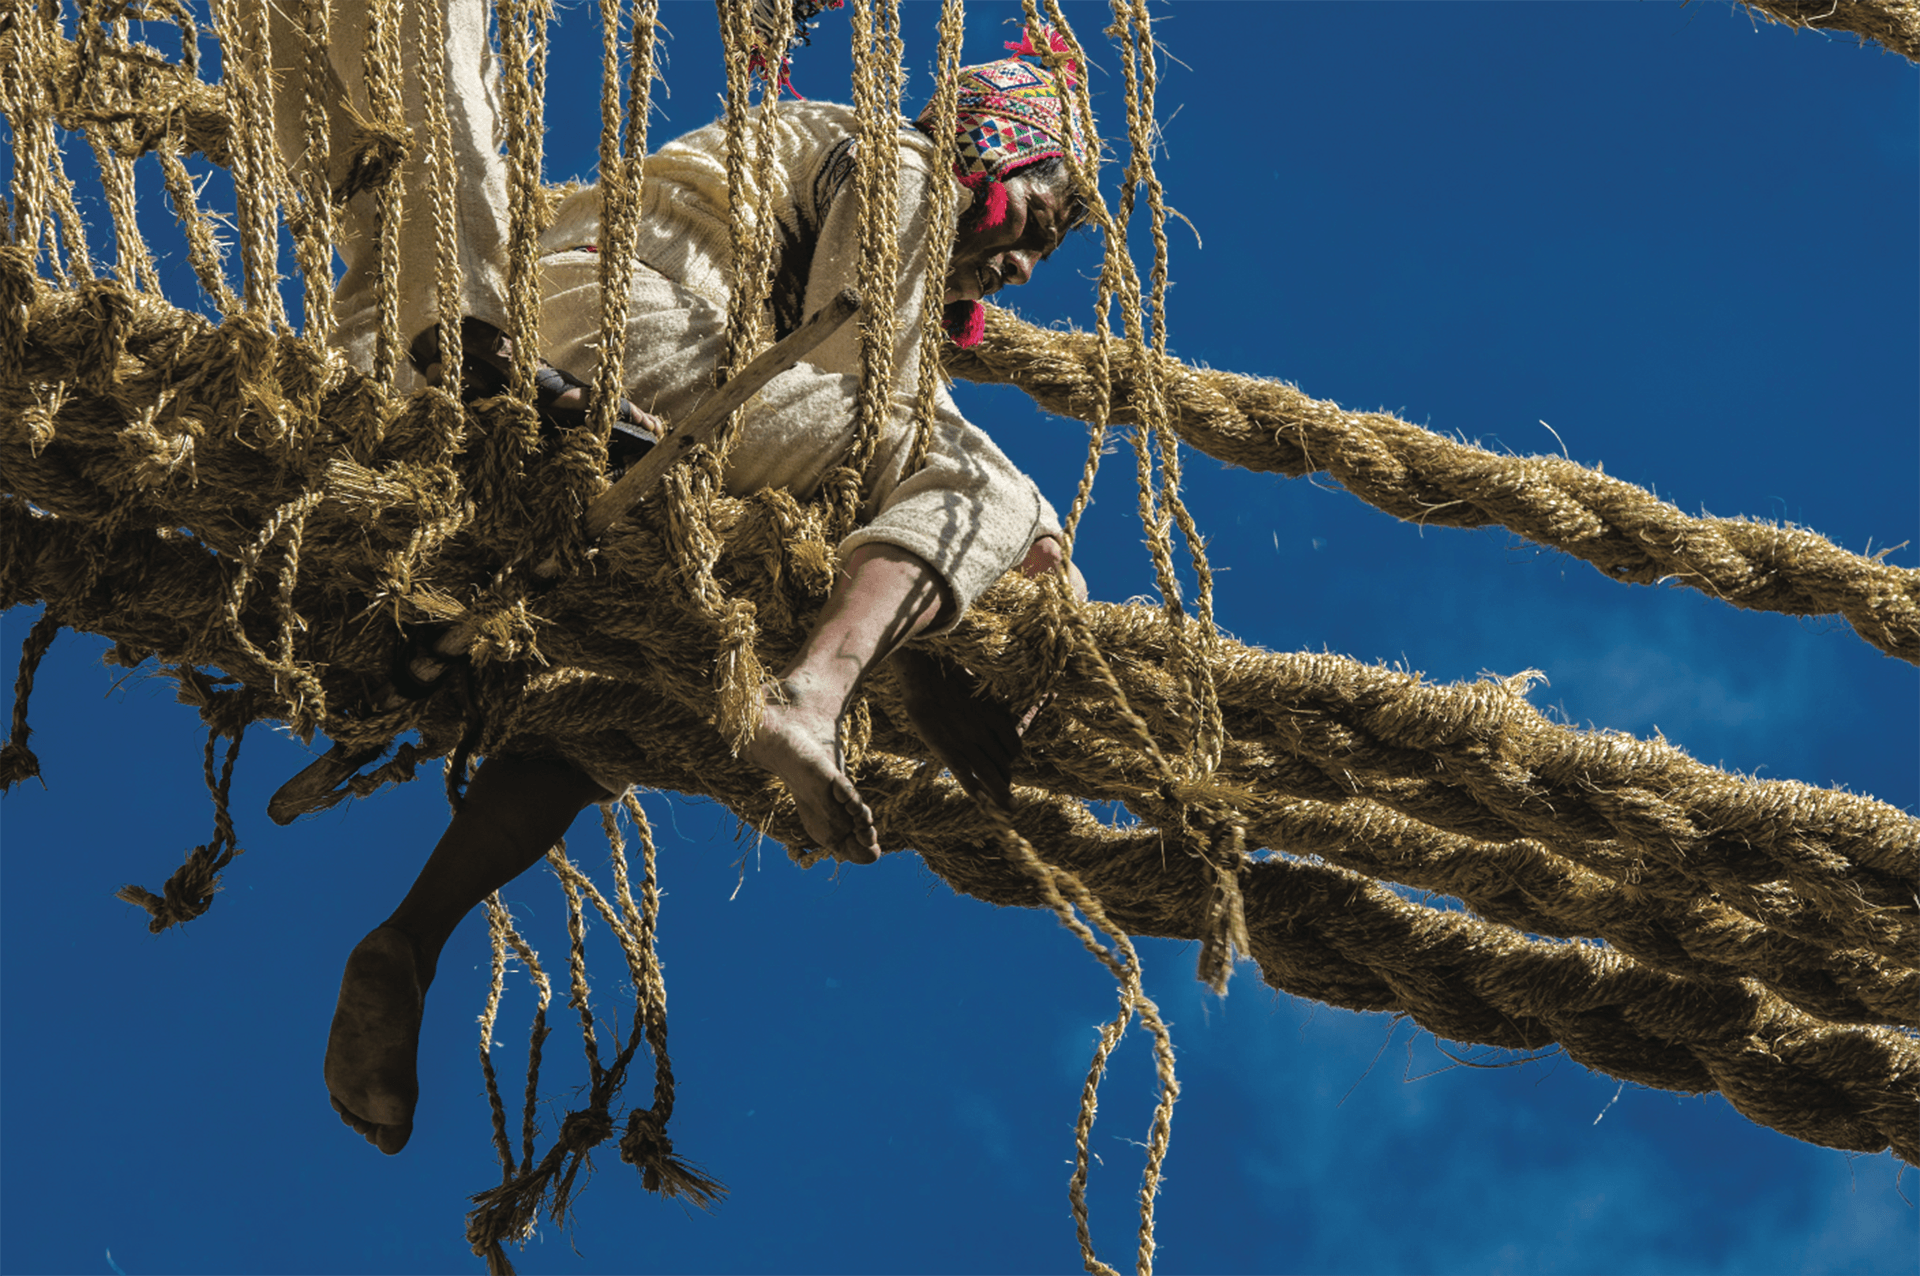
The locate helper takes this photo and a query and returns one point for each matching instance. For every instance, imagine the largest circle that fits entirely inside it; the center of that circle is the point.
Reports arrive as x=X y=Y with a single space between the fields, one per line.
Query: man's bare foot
x=371 y=1050
x=796 y=741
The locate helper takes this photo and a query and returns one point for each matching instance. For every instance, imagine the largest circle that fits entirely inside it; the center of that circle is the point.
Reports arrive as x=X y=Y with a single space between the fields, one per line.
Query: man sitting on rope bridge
x=930 y=541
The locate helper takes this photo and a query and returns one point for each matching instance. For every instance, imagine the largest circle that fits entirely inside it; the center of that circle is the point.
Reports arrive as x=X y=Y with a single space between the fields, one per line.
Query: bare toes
x=861 y=843
x=852 y=851
x=388 y=1138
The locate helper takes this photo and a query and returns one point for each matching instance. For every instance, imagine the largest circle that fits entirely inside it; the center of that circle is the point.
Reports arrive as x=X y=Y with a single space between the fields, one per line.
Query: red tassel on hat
x=1055 y=41
x=966 y=323
x=996 y=205
x=996 y=211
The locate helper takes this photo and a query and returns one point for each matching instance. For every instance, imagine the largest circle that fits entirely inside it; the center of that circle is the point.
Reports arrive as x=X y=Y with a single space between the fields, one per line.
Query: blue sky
x=1686 y=244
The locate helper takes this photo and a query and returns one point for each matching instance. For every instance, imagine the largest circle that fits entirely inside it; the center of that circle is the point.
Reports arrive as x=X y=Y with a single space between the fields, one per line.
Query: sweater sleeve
x=969 y=512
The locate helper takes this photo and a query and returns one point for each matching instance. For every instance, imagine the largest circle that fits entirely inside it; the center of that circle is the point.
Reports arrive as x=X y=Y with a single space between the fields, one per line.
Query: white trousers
x=480 y=188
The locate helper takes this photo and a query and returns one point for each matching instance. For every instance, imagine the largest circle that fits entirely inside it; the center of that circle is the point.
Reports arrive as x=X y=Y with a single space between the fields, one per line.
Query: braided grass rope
x=1415 y=474
x=1563 y=800
x=1795 y=870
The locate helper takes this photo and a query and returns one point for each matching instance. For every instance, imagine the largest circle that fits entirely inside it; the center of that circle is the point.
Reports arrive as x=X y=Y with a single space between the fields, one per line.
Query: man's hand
x=1047 y=555
x=973 y=735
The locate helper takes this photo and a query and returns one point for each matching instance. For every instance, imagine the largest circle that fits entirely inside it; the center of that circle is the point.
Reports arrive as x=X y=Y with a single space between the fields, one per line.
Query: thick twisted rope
x=1832 y=867
x=1332 y=935
x=1427 y=478
x=1337 y=937
x=1829 y=866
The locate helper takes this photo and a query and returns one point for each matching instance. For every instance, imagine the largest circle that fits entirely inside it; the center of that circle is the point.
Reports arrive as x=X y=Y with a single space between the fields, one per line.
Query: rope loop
x=189 y=892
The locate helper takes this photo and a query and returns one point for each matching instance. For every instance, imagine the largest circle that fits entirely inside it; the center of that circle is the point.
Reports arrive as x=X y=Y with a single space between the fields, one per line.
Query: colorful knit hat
x=1011 y=116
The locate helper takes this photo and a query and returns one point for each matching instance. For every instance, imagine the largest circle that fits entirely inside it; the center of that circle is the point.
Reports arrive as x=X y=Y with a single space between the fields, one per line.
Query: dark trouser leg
x=515 y=810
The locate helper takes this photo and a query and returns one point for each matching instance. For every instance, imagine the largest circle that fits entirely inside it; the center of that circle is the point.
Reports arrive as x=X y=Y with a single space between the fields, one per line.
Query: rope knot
x=109 y=311
x=646 y=1146
x=187 y=894
x=841 y=487
x=377 y=152
x=17 y=763
x=738 y=676
x=584 y=1131
x=1221 y=837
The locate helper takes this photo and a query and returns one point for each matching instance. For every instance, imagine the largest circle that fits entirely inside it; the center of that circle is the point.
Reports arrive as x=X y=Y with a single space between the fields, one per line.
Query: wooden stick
x=312 y=788
x=705 y=420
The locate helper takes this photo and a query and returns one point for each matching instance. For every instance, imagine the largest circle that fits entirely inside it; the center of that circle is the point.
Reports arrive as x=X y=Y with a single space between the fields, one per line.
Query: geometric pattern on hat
x=1010 y=116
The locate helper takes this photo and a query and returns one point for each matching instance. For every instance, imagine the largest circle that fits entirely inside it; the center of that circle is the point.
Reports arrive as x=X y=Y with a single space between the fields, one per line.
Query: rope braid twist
x=445 y=408
x=620 y=176
x=943 y=215
x=879 y=79
x=133 y=264
x=508 y=1212
x=313 y=226
x=645 y=1143
x=1415 y=474
x=389 y=129
x=17 y=761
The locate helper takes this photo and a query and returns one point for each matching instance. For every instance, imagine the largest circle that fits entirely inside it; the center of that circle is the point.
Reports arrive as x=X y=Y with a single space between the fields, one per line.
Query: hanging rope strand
x=1425 y=477
x=943 y=214
x=314 y=232
x=878 y=81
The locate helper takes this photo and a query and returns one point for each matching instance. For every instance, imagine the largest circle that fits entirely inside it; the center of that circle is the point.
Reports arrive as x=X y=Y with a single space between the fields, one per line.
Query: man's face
x=995 y=257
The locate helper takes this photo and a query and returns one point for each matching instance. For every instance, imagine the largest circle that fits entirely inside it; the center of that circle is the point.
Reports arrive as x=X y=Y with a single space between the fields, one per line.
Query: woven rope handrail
x=78 y=458
x=1285 y=787
x=1412 y=473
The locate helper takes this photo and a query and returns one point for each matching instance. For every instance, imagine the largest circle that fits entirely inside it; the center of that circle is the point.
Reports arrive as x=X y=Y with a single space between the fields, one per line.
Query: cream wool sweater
x=970 y=513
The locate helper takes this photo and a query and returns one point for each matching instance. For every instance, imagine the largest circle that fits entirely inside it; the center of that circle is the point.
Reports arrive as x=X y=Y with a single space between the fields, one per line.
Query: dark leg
x=514 y=811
